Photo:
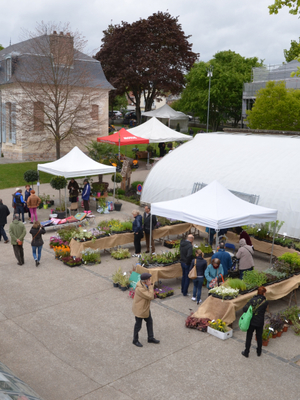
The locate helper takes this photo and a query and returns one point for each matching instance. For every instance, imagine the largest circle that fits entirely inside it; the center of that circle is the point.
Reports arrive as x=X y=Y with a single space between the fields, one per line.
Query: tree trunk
x=100 y=178
x=57 y=145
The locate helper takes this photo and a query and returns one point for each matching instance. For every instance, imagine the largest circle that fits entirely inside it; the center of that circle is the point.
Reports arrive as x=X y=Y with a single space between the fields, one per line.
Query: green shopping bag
x=244 y=321
x=134 y=278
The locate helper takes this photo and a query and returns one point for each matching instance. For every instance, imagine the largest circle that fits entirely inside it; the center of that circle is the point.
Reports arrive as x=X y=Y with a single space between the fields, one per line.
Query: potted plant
x=117 y=277
x=31 y=176
x=124 y=282
x=58 y=183
x=117 y=178
x=72 y=261
x=206 y=250
x=265 y=336
x=219 y=329
x=91 y=256
x=120 y=254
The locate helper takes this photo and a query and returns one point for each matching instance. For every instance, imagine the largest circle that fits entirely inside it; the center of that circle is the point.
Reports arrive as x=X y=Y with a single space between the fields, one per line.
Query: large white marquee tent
x=263 y=165
x=157 y=132
x=167 y=114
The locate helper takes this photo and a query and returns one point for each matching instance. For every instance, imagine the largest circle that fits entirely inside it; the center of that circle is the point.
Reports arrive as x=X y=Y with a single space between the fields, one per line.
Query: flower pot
x=274 y=335
x=279 y=334
x=285 y=328
x=45 y=206
x=41 y=205
x=115 y=284
x=118 y=206
x=265 y=342
x=61 y=214
x=124 y=288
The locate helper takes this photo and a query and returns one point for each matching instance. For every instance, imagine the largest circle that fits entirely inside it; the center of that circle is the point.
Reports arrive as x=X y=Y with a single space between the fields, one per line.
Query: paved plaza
x=68 y=334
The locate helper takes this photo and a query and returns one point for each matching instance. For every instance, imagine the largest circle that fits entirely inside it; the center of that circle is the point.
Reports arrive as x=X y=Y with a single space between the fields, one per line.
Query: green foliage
x=1 y=47
x=31 y=176
x=101 y=152
x=67 y=233
x=266 y=332
x=90 y=256
x=275 y=108
x=236 y=283
x=276 y=274
x=294 y=52
x=124 y=280
x=293 y=5
x=120 y=254
x=291 y=313
x=254 y=278
x=292 y=259
x=205 y=248
x=117 y=275
x=58 y=182
x=118 y=178
x=230 y=71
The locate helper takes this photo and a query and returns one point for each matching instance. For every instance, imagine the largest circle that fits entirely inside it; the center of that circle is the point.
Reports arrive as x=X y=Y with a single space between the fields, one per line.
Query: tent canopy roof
x=215 y=207
x=165 y=112
x=125 y=138
x=157 y=132
x=75 y=164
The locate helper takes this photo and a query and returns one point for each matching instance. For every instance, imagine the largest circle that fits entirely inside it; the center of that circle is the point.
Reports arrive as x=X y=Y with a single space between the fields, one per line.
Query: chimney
x=62 y=48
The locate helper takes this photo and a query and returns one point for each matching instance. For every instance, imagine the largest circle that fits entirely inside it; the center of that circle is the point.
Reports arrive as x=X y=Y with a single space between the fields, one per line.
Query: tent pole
x=150 y=244
x=66 y=200
x=274 y=230
x=217 y=237
x=114 y=188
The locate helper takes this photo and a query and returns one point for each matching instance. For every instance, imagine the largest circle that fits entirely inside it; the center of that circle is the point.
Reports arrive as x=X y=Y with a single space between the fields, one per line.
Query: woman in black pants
x=137 y=227
x=259 y=306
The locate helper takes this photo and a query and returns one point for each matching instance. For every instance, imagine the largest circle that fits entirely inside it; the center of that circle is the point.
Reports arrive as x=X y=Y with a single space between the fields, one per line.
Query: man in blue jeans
x=20 y=203
x=186 y=256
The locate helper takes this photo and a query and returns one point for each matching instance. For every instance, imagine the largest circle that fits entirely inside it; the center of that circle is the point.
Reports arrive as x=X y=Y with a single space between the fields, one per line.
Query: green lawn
x=12 y=175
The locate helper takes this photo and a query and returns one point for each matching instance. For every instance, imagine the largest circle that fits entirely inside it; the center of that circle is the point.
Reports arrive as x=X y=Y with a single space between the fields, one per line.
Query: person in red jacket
x=244 y=235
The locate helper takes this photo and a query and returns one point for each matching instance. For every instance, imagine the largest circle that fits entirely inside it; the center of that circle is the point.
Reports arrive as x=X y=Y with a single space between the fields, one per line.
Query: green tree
x=293 y=5
x=275 y=108
x=1 y=47
x=230 y=71
x=146 y=58
x=117 y=102
x=294 y=51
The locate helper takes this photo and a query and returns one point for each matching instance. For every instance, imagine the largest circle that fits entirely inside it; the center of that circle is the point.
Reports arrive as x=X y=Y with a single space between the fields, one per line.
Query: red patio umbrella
x=122 y=138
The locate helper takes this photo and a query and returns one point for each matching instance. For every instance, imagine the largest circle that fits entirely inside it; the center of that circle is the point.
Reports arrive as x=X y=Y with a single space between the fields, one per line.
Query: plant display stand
x=220 y=335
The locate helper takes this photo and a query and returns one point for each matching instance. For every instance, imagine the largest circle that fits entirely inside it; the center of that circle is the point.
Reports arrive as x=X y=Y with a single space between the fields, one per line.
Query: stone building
x=47 y=85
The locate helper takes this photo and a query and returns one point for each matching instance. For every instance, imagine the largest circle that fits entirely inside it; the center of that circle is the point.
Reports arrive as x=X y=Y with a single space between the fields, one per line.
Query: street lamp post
x=209 y=71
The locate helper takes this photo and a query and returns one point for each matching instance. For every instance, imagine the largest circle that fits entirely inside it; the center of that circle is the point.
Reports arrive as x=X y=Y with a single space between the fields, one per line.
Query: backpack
x=17 y=198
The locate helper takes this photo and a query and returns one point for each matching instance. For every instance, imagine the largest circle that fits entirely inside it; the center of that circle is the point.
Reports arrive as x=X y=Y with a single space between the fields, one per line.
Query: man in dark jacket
x=149 y=220
x=20 y=203
x=224 y=257
x=186 y=256
x=4 y=212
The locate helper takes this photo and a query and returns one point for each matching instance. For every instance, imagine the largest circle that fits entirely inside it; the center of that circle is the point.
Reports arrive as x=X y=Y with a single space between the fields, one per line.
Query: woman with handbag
x=200 y=264
x=37 y=241
x=259 y=306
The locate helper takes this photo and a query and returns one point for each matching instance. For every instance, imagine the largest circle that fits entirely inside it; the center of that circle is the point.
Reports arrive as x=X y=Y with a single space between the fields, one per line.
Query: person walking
x=73 y=190
x=144 y=294
x=149 y=224
x=259 y=305
x=137 y=228
x=37 y=241
x=186 y=256
x=86 y=195
x=201 y=266
x=17 y=233
x=32 y=203
x=20 y=203
x=4 y=212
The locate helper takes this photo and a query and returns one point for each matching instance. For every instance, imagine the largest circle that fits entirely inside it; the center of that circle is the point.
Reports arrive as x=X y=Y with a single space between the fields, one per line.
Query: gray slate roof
x=24 y=57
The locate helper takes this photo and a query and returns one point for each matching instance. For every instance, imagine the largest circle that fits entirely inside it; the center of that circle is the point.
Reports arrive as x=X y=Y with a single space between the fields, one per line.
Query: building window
x=8 y=69
x=8 y=123
x=38 y=116
x=95 y=112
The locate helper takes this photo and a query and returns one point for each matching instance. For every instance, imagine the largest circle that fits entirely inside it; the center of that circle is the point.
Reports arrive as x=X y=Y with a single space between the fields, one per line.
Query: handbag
x=244 y=321
x=193 y=272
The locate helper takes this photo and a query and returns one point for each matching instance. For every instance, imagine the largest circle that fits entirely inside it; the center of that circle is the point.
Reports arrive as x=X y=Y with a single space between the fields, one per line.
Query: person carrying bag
x=198 y=267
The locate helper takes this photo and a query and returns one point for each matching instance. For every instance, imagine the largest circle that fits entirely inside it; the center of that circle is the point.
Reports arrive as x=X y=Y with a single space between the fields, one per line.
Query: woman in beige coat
x=244 y=255
x=32 y=203
x=144 y=293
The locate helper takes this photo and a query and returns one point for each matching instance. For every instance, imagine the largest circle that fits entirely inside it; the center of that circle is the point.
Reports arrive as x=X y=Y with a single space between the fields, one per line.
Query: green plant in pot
x=117 y=178
x=117 y=277
x=31 y=176
x=58 y=183
x=124 y=282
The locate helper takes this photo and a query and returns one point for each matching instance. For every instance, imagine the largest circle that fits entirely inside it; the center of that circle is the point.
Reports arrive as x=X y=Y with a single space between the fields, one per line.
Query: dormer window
x=8 y=69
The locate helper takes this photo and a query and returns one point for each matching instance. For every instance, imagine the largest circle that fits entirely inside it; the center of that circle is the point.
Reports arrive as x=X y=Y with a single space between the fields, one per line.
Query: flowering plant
x=218 y=325
x=223 y=291
x=120 y=253
x=56 y=241
x=131 y=293
x=163 y=292
x=91 y=256
x=61 y=251
x=72 y=261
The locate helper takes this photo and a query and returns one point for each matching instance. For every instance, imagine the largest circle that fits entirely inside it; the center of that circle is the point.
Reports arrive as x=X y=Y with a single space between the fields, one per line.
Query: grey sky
x=241 y=26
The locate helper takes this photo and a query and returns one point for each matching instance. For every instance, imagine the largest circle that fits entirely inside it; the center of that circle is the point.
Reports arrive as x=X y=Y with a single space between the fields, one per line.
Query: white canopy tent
x=75 y=164
x=167 y=114
x=157 y=132
x=263 y=165
x=214 y=207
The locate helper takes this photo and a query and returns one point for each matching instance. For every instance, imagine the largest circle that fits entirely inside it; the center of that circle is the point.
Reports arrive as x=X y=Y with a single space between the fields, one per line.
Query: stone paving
x=68 y=333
